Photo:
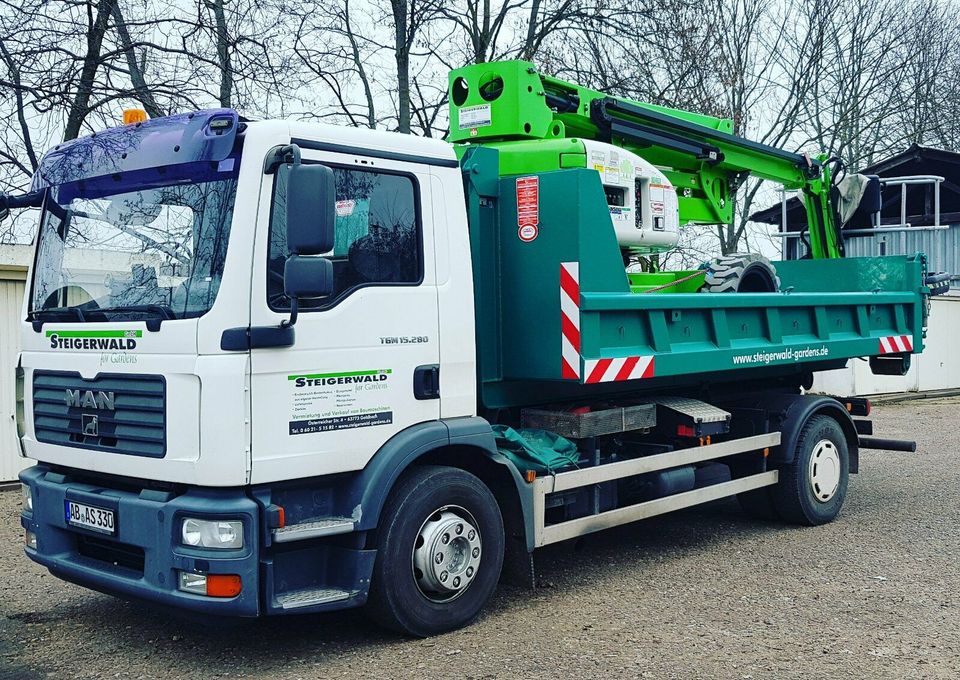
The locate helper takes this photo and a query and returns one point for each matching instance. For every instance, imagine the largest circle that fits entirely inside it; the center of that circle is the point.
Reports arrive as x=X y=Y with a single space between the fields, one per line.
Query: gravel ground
x=701 y=594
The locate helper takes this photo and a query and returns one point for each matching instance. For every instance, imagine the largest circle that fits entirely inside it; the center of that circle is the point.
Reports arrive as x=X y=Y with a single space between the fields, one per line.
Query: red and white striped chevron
x=570 y=320
x=895 y=344
x=610 y=370
x=572 y=364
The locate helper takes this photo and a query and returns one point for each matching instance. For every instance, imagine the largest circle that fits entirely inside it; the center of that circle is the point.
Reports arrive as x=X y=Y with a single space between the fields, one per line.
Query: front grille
x=135 y=426
x=117 y=554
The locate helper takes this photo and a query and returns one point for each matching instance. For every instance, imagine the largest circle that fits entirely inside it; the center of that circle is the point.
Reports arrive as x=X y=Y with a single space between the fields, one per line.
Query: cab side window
x=377 y=237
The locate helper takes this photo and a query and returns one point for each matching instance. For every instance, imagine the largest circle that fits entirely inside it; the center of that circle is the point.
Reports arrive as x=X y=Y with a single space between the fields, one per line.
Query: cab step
x=328 y=526
x=311 y=597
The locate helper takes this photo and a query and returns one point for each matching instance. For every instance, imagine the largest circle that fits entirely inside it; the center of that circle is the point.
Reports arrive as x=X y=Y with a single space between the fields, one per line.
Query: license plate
x=89 y=517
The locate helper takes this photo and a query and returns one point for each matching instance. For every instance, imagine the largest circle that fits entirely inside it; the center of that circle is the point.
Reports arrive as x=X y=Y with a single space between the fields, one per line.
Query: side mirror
x=305 y=276
x=311 y=209
x=34 y=199
x=4 y=207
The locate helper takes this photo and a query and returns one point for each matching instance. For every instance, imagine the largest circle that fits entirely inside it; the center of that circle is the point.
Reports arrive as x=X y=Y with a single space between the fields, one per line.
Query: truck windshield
x=140 y=244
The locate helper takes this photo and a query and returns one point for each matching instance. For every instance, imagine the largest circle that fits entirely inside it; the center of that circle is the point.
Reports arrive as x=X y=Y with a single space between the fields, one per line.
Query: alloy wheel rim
x=446 y=554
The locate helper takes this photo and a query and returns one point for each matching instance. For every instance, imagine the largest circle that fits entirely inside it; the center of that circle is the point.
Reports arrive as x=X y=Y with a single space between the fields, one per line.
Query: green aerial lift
x=523 y=113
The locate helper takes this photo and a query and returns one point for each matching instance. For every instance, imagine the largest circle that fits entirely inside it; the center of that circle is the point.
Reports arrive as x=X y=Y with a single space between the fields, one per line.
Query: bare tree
x=135 y=69
x=98 y=16
x=769 y=76
x=337 y=55
x=17 y=87
x=356 y=58
x=222 y=41
x=481 y=23
x=863 y=60
x=409 y=17
x=929 y=87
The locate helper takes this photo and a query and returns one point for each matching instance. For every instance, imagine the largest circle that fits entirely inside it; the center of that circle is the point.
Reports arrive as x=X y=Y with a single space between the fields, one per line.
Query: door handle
x=426 y=382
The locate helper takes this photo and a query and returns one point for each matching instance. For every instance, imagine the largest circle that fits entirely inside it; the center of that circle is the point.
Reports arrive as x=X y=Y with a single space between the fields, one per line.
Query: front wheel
x=813 y=486
x=439 y=552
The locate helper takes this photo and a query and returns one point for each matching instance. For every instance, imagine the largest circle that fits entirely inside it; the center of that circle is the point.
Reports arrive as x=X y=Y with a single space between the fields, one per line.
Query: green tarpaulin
x=539 y=450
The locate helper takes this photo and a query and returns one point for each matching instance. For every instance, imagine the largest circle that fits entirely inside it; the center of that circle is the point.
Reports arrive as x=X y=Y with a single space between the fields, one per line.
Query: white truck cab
x=392 y=287
x=144 y=361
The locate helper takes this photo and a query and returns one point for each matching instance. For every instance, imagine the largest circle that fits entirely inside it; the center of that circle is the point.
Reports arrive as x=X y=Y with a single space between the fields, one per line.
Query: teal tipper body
x=559 y=319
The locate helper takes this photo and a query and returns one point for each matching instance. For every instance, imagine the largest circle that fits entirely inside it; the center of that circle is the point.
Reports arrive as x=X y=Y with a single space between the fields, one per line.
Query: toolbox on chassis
x=272 y=368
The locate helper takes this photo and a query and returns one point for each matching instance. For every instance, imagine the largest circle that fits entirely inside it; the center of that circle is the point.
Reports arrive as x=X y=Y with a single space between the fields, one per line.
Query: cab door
x=365 y=362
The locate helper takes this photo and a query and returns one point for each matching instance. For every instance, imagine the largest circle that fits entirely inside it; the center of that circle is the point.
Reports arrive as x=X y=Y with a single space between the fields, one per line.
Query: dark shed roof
x=916 y=160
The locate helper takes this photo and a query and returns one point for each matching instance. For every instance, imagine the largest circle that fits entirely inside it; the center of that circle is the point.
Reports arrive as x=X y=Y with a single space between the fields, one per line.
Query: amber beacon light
x=131 y=116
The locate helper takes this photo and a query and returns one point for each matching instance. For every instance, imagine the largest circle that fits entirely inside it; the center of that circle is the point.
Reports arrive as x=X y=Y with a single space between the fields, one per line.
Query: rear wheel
x=439 y=552
x=813 y=486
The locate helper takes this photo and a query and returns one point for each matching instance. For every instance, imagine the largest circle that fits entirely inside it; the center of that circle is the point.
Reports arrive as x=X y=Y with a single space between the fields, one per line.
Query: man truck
x=278 y=367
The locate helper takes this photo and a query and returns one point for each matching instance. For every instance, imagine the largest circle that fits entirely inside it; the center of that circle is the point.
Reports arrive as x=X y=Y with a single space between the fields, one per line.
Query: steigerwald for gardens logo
x=98 y=340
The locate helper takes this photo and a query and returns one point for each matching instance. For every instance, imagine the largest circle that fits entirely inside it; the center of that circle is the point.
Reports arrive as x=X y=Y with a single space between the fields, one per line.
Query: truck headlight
x=26 y=495
x=212 y=533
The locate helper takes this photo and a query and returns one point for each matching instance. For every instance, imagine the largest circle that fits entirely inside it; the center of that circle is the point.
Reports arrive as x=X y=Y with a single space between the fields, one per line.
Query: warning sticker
x=323 y=402
x=345 y=208
x=475 y=116
x=528 y=202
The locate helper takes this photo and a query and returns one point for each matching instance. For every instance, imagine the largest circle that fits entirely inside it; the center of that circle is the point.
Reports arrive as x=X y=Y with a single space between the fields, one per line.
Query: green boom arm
x=510 y=100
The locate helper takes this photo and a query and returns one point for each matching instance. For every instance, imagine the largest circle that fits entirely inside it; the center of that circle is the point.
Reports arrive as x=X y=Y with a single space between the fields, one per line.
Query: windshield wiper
x=76 y=311
x=34 y=315
x=163 y=310
x=153 y=325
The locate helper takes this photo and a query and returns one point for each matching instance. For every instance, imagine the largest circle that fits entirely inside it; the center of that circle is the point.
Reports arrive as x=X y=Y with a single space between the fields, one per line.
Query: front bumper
x=143 y=559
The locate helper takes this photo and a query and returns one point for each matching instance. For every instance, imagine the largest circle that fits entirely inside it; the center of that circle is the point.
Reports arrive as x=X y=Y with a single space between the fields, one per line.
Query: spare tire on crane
x=741 y=273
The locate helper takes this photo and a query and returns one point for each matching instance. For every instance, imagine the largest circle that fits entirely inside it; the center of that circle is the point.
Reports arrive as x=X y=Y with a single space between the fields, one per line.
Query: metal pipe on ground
x=888 y=444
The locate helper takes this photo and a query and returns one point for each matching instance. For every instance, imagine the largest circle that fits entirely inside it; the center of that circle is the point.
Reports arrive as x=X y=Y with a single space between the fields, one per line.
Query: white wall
x=937 y=368
x=14 y=261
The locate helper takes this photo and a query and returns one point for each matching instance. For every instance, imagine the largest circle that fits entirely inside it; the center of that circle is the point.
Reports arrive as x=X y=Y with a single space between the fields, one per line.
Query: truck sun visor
x=171 y=140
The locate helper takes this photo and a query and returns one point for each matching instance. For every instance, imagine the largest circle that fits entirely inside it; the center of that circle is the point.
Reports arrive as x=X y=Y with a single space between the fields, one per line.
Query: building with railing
x=919 y=201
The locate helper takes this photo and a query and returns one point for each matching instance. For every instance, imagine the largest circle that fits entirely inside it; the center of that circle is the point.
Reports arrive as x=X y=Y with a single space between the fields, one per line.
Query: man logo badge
x=88 y=399
x=91 y=425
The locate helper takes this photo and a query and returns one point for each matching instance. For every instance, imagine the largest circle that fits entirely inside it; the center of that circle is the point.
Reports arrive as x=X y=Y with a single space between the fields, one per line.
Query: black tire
x=740 y=273
x=398 y=599
x=798 y=498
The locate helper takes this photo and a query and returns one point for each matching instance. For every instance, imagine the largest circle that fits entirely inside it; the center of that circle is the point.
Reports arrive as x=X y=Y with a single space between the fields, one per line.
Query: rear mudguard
x=789 y=413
